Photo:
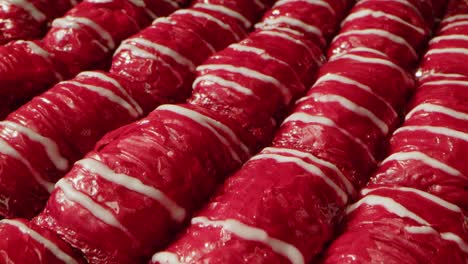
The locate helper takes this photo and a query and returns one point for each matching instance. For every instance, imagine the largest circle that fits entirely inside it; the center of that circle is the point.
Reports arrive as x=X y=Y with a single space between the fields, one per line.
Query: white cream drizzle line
x=424 y=158
x=250 y=233
x=433 y=108
x=294 y=23
x=74 y=22
x=389 y=204
x=141 y=53
x=345 y=80
x=227 y=11
x=115 y=83
x=285 y=36
x=403 y=2
x=447 y=51
x=437 y=74
x=445 y=236
x=223 y=82
x=101 y=213
x=379 y=14
x=447 y=82
x=349 y=186
x=352 y=107
x=51 y=246
x=425 y=195
x=250 y=74
x=29 y=7
x=134 y=184
x=199 y=13
x=36 y=49
x=51 y=148
x=106 y=93
x=259 y=3
x=455 y=17
x=142 y=4
x=166 y=257
x=380 y=61
x=449 y=37
x=8 y=150
x=435 y=130
x=312 y=169
x=454 y=24
x=325 y=121
x=381 y=33
x=211 y=125
x=176 y=56
x=310 y=2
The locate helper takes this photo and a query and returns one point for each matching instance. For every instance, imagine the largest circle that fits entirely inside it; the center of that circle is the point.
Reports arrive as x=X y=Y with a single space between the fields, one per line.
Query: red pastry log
x=285 y=204
x=282 y=206
x=43 y=138
x=144 y=180
x=29 y=19
x=414 y=208
x=82 y=39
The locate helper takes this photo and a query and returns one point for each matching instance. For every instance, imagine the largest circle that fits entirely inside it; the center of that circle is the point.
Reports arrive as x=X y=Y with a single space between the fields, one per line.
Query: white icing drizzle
x=223 y=82
x=390 y=206
x=166 y=257
x=380 y=61
x=29 y=7
x=101 y=213
x=370 y=50
x=379 y=14
x=227 y=11
x=8 y=150
x=312 y=169
x=345 y=80
x=258 y=51
x=381 y=33
x=210 y=123
x=211 y=18
x=294 y=23
x=169 y=21
x=438 y=74
x=51 y=246
x=108 y=94
x=454 y=18
x=310 y=2
x=416 y=155
x=142 y=4
x=403 y=2
x=115 y=83
x=259 y=3
x=435 y=130
x=36 y=49
x=447 y=82
x=446 y=236
x=349 y=186
x=454 y=24
x=174 y=4
x=75 y=22
x=251 y=233
x=425 y=195
x=250 y=74
x=433 y=108
x=51 y=148
x=449 y=37
x=285 y=36
x=141 y=53
x=134 y=184
x=447 y=50
x=325 y=121
x=179 y=58
x=352 y=107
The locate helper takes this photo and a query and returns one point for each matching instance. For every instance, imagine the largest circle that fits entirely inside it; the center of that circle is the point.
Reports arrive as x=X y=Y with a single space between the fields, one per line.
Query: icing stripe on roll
x=51 y=246
x=435 y=130
x=416 y=155
x=250 y=233
x=310 y=2
x=390 y=206
x=227 y=11
x=433 y=108
x=29 y=7
x=307 y=167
